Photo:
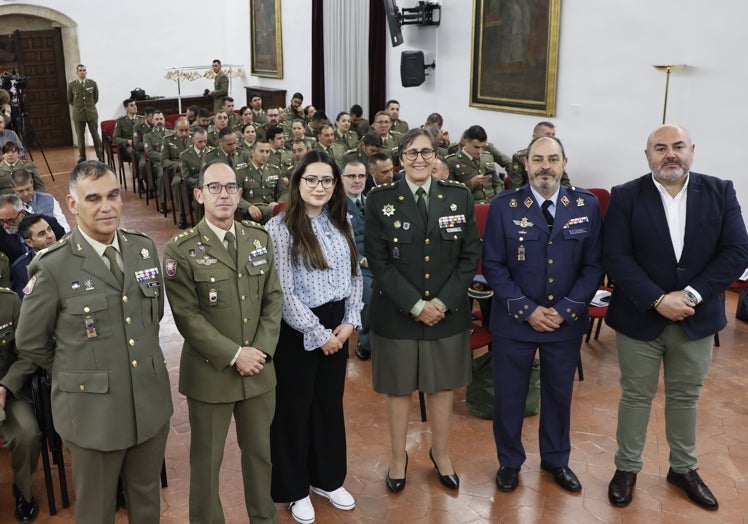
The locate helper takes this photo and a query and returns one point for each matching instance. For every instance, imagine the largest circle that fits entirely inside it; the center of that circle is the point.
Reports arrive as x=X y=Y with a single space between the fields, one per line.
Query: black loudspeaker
x=412 y=72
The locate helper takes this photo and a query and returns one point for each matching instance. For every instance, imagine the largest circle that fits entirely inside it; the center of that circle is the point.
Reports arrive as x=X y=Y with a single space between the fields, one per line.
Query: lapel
x=134 y=259
x=533 y=212
x=407 y=205
x=93 y=264
x=656 y=218
x=694 y=209
x=213 y=247
x=563 y=212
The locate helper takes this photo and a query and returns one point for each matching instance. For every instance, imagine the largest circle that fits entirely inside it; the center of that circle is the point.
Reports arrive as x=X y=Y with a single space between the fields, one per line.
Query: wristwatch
x=690 y=296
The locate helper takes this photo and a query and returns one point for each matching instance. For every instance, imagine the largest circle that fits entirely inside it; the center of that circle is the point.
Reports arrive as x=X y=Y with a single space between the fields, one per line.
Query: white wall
x=609 y=97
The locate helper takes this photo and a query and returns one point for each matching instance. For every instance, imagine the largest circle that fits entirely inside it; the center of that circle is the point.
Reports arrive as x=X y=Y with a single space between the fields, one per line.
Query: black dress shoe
x=26 y=511
x=362 y=353
x=697 y=491
x=448 y=481
x=507 y=479
x=621 y=488
x=564 y=477
x=163 y=210
x=395 y=485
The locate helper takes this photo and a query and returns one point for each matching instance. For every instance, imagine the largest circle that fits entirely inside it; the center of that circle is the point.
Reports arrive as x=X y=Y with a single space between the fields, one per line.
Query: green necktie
x=230 y=245
x=111 y=255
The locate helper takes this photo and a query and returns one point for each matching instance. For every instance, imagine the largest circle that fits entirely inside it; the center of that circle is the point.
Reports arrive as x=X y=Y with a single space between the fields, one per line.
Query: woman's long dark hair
x=305 y=243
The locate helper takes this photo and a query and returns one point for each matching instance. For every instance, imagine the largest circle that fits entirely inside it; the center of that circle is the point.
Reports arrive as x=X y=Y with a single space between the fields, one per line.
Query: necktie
x=360 y=205
x=230 y=245
x=547 y=214
x=231 y=163
x=111 y=255
x=421 y=203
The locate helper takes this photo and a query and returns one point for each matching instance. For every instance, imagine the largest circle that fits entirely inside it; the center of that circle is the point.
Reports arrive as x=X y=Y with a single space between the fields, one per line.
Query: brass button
x=427 y=276
x=456 y=237
x=156 y=293
x=239 y=275
x=395 y=240
x=573 y=315
x=244 y=320
x=551 y=280
x=134 y=363
x=82 y=387
x=427 y=293
x=262 y=272
x=550 y=242
x=426 y=258
x=527 y=307
x=550 y=297
x=550 y=261
x=244 y=298
x=568 y=310
x=86 y=309
x=521 y=312
x=128 y=320
x=131 y=342
x=427 y=241
x=124 y=299
x=212 y=279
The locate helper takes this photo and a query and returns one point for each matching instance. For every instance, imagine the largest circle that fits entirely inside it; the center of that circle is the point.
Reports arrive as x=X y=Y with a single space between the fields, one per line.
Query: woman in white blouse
x=317 y=264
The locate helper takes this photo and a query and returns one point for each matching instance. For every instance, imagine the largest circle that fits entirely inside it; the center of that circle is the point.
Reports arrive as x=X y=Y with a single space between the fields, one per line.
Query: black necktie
x=230 y=245
x=360 y=205
x=547 y=214
x=421 y=203
x=111 y=255
x=231 y=162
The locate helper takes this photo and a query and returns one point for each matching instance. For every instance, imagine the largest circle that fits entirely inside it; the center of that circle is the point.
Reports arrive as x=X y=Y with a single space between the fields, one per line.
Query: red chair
x=603 y=196
x=280 y=207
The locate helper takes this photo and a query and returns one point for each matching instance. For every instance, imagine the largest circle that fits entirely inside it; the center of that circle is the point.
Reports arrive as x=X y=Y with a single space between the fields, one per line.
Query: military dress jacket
x=192 y=163
x=153 y=143
x=529 y=265
x=240 y=161
x=172 y=149
x=100 y=340
x=336 y=152
x=15 y=372
x=124 y=129
x=83 y=97
x=463 y=168
x=219 y=307
x=260 y=187
x=220 y=89
x=349 y=140
x=412 y=261
x=7 y=169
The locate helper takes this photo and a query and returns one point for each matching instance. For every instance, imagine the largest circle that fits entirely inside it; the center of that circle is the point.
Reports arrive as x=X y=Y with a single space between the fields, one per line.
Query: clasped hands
x=545 y=319
x=431 y=314
x=675 y=306
x=339 y=335
x=250 y=361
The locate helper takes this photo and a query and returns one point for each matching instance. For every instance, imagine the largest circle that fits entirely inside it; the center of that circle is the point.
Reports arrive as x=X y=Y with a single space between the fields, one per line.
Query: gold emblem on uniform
x=440 y=196
x=145 y=254
x=513 y=202
x=80 y=248
x=400 y=198
x=580 y=202
x=564 y=200
x=88 y=284
x=528 y=202
x=453 y=207
x=397 y=224
x=257 y=244
x=388 y=210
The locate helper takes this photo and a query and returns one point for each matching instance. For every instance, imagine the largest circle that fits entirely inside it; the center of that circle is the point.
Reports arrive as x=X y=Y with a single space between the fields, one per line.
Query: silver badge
x=145 y=254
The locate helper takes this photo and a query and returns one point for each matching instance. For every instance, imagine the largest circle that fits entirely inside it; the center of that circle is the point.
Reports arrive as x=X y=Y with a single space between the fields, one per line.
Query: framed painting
x=515 y=55
x=265 y=36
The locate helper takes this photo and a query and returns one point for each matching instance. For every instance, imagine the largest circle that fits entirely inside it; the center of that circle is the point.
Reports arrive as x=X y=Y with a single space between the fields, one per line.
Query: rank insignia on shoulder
x=580 y=202
x=564 y=200
x=528 y=202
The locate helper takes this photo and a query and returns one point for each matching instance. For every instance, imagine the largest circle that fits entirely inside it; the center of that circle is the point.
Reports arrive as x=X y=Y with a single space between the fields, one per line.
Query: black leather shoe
x=621 y=488
x=163 y=209
x=448 y=481
x=697 y=491
x=507 y=479
x=564 y=477
x=395 y=485
x=363 y=354
x=25 y=511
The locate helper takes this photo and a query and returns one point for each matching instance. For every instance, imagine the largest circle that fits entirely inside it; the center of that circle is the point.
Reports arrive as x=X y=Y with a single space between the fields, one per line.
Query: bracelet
x=657 y=302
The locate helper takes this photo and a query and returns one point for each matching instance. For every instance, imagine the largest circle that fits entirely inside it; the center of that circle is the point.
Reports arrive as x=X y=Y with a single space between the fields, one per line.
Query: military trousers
x=80 y=132
x=686 y=364
x=22 y=439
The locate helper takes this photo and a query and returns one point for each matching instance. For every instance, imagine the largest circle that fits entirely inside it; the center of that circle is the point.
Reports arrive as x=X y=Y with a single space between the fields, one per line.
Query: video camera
x=11 y=80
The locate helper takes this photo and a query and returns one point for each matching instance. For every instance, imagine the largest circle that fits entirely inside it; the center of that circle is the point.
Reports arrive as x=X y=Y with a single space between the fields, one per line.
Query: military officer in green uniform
x=226 y=301
x=343 y=134
x=280 y=157
x=473 y=166
x=517 y=172
x=390 y=139
x=139 y=131
x=83 y=95
x=220 y=85
x=326 y=143
x=18 y=427
x=262 y=187
x=11 y=163
x=99 y=293
x=371 y=143
x=234 y=119
x=4 y=270
x=259 y=115
x=393 y=109
x=358 y=123
x=153 y=145
x=174 y=145
x=124 y=130
x=220 y=122
x=228 y=153
x=192 y=163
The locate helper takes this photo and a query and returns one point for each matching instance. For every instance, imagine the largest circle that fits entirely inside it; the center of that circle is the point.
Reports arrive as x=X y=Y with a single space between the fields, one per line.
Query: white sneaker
x=340 y=498
x=302 y=510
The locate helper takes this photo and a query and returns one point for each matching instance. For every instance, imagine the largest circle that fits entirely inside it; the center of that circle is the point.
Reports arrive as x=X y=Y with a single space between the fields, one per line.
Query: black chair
x=41 y=387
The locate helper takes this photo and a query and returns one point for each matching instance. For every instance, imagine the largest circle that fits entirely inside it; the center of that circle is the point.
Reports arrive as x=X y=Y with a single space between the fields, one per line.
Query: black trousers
x=307 y=436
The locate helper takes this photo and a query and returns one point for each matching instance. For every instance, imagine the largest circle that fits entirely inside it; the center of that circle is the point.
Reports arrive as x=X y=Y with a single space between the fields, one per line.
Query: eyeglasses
x=312 y=182
x=215 y=188
x=12 y=221
x=412 y=154
x=356 y=176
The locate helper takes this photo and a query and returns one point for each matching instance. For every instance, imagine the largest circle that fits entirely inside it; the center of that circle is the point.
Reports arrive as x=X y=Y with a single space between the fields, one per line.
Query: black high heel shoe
x=448 y=481
x=395 y=485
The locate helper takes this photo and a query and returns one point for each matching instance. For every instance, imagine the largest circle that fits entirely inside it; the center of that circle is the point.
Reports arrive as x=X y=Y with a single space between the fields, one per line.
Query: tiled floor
x=722 y=442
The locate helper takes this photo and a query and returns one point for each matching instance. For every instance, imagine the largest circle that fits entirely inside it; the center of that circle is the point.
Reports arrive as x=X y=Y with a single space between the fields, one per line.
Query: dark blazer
x=13 y=245
x=412 y=261
x=528 y=265
x=639 y=255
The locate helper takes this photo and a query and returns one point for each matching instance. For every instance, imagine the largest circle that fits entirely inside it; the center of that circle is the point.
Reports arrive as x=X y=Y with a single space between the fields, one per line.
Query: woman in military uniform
x=423 y=248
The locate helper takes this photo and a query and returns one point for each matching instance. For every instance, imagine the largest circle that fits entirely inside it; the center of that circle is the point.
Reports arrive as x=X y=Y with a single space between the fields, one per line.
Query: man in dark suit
x=226 y=300
x=354 y=179
x=98 y=294
x=542 y=256
x=674 y=241
x=12 y=213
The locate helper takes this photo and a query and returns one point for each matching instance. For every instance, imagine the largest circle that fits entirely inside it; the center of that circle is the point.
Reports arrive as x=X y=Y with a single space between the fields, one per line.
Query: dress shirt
x=540 y=199
x=305 y=288
x=37 y=206
x=99 y=248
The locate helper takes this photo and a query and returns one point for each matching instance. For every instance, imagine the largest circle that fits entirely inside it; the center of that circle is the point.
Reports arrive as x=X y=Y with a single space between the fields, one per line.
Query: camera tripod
x=22 y=121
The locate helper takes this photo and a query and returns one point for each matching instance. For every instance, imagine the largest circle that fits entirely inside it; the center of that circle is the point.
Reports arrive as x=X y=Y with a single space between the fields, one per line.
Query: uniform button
x=244 y=320
x=527 y=307
x=427 y=241
x=521 y=239
x=262 y=272
x=246 y=342
x=426 y=258
x=426 y=276
x=568 y=310
x=550 y=297
x=550 y=242
x=456 y=237
x=82 y=387
x=395 y=240
x=550 y=261
x=156 y=293
x=212 y=279
x=516 y=316
x=134 y=363
x=86 y=309
x=521 y=312
x=124 y=299
x=131 y=342
x=427 y=293
x=128 y=320
x=239 y=275
x=551 y=280
x=244 y=298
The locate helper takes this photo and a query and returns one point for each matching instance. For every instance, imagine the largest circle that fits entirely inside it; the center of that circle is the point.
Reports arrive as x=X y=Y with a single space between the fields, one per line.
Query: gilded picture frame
x=514 y=63
x=266 y=38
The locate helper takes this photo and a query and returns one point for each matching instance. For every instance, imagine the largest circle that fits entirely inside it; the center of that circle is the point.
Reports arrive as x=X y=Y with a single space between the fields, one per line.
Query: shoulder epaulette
x=134 y=232
x=383 y=187
x=253 y=225
x=7 y=290
x=451 y=183
x=185 y=235
x=54 y=247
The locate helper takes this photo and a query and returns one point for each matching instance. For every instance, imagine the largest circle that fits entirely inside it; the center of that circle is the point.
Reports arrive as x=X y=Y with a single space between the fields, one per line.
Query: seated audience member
x=174 y=145
x=5 y=111
x=343 y=134
x=517 y=171
x=153 y=144
x=138 y=135
x=124 y=129
x=11 y=214
x=393 y=109
x=440 y=170
x=249 y=135
x=294 y=110
x=204 y=119
x=18 y=429
x=317 y=119
x=381 y=170
x=358 y=124
x=37 y=235
x=192 y=115
x=262 y=187
x=326 y=143
x=309 y=113
x=11 y=162
x=228 y=106
x=435 y=119
x=7 y=135
x=4 y=270
x=470 y=165
x=280 y=157
x=437 y=134
x=298 y=130
x=383 y=127
x=299 y=148
x=192 y=163
x=36 y=201
x=258 y=113
x=220 y=121
x=283 y=122
x=371 y=143
x=229 y=153
x=245 y=114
